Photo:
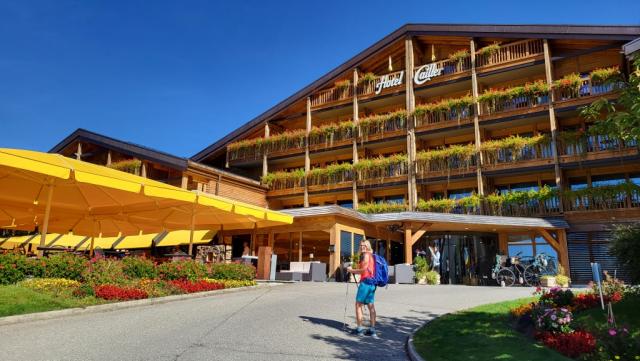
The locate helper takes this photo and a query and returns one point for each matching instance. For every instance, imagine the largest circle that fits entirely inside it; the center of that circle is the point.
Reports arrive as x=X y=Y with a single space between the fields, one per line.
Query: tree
x=619 y=119
x=626 y=248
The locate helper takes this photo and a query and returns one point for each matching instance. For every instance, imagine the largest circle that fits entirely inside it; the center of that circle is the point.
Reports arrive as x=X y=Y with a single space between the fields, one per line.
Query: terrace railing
x=323 y=179
x=511 y=52
x=389 y=171
x=603 y=201
x=527 y=153
x=510 y=104
x=370 y=87
x=442 y=117
x=331 y=95
x=445 y=166
x=587 y=88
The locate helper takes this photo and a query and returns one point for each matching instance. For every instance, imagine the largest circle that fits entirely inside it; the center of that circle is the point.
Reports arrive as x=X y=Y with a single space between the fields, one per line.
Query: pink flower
x=612 y=332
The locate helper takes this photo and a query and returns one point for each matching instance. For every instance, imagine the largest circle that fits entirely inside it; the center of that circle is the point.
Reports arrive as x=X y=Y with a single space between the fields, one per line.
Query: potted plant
x=421 y=267
x=488 y=51
x=458 y=58
x=366 y=82
x=548 y=281
x=433 y=278
x=342 y=87
x=562 y=279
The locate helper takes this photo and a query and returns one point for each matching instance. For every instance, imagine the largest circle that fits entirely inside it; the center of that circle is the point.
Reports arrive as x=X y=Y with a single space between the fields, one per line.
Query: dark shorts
x=366 y=293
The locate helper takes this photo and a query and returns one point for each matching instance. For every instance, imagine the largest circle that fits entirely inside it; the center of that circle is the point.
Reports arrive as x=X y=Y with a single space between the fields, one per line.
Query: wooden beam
x=265 y=165
x=552 y=241
x=408 y=252
x=553 y=124
x=411 y=136
x=354 y=144
x=564 y=255
x=307 y=159
x=79 y=151
x=476 y=119
x=419 y=233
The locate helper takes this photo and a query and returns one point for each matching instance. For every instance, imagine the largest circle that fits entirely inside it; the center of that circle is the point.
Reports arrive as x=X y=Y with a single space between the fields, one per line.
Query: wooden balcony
x=445 y=167
x=511 y=54
x=593 y=148
x=627 y=197
x=392 y=173
x=335 y=95
x=537 y=155
x=451 y=70
x=504 y=108
x=444 y=119
x=586 y=93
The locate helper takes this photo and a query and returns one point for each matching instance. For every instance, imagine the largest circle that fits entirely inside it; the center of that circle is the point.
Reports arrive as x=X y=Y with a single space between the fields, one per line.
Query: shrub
x=157 y=288
x=233 y=283
x=557 y=297
x=197 y=286
x=113 y=292
x=105 y=271
x=13 y=268
x=433 y=278
x=570 y=344
x=585 y=301
x=553 y=319
x=617 y=344
x=421 y=266
x=55 y=286
x=182 y=270
x=232 y=271
x=522 y=310
x=85 y=290
x=138 y=267
x=65 y=265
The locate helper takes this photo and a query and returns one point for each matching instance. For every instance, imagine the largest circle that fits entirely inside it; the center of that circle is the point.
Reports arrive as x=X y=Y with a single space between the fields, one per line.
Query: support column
x=408 y=252
x=47 y=213
x=307 y=159
x=108 y=157
x=143 y=171
x=334 y=258
x=300 y=248
x=79 y=151
x=411 y=136
x=564 y=250
x=185 y=182
x=476 y=119
x=553 y=124
x=265 y=165
x=356 y=120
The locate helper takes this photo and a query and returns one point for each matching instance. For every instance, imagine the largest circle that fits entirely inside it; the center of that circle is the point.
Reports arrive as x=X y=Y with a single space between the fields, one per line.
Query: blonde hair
x=367 y=244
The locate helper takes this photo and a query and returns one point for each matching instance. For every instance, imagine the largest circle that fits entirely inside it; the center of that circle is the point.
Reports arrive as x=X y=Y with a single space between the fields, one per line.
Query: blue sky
x=178 y=75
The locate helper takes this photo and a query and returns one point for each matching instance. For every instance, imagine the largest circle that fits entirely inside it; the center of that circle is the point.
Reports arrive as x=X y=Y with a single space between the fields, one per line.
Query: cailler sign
x=422 y=75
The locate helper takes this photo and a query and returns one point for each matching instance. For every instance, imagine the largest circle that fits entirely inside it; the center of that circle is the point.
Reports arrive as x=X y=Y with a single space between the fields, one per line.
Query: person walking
x=366 y=289
x=435 y=258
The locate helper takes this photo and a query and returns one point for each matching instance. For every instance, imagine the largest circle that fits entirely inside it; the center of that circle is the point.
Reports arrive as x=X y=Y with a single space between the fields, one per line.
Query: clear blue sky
x=178 y=75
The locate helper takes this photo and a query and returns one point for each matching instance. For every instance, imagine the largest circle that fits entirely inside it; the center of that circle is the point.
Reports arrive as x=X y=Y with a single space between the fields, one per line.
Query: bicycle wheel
x=505 y=277
x=532 y=276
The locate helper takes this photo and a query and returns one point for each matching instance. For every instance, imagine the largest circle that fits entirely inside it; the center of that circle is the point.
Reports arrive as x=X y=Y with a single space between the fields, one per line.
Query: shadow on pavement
x=393 y=332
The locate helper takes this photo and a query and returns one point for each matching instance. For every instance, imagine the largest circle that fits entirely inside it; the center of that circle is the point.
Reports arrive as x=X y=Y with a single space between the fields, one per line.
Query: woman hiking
x=366 y=289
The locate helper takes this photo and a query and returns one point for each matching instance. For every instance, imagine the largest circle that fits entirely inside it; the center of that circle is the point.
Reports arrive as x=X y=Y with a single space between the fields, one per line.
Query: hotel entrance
x=465 y=258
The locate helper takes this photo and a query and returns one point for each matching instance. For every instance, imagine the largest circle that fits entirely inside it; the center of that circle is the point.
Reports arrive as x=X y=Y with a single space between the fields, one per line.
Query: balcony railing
x=331 y=95
x=446 y=112
x=382 y=123
x=516 y=149
x=577 y=143
x=574 y=87
x=450 y=67
x=510 y=52
x=509 y=103
x=382 y=84
x=611 y=197
x=330 y=175
x=455 y=159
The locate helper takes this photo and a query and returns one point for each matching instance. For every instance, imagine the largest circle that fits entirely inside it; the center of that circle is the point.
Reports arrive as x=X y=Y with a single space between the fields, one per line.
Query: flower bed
x=113 y=292
x=197 y=286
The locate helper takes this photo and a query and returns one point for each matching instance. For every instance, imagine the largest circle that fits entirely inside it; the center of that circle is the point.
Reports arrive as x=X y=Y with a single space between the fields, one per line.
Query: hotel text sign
x=422 y=75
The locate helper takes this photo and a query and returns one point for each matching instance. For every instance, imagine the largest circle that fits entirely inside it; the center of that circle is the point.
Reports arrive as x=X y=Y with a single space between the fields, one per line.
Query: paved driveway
x=289 y=322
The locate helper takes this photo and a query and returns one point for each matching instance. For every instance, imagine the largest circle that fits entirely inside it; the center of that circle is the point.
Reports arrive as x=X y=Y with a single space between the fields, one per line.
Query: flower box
x=546 y=281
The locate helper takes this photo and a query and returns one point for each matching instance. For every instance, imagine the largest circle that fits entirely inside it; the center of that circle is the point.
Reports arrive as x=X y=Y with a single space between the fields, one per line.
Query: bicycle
x=543 y=265
x=508 y=270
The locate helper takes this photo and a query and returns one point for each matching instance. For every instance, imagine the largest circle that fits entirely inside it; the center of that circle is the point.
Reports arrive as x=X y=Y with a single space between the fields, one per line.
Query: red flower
x=569 y=344
x=112 y=292
x=198 y=286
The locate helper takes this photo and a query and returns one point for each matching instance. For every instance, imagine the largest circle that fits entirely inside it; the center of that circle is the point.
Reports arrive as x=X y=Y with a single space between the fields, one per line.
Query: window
x=459 y=193
x=396 y=199
x=345 y=246
x=346 y=204
x=524 y=187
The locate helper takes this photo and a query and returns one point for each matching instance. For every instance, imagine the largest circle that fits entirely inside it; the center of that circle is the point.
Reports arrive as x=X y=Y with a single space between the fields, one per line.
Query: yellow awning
x=177 y=238
x=142 y=241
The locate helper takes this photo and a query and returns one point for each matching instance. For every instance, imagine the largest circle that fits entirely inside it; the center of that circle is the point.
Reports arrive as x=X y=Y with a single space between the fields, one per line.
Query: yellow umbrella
x=179 y=238
x=64 y=195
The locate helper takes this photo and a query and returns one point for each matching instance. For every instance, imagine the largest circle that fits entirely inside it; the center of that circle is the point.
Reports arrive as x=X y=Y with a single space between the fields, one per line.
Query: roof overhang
x=462 y=221
x=631 y=47
x=603 y=32
x=135 y=150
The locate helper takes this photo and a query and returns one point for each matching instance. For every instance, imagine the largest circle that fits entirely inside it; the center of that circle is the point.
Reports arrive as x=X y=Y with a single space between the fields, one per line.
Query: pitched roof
x=600 y=32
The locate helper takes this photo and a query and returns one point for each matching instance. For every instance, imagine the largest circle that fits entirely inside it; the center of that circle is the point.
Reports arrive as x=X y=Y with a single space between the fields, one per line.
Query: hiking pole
x=346 y=295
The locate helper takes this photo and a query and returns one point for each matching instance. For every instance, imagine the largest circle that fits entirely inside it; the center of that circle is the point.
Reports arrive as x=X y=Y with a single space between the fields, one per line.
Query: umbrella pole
x=91 y=247
x=45 y=226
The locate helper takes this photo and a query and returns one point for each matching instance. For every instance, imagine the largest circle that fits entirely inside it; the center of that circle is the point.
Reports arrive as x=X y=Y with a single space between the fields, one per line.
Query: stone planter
x=548 y=282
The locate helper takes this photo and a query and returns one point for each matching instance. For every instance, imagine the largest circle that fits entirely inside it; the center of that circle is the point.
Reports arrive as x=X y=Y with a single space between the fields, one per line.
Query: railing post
x=356 y=119
x=307 y=159
x=411 y=136
x=476 y=119
x=265 y=165
x=548 y=66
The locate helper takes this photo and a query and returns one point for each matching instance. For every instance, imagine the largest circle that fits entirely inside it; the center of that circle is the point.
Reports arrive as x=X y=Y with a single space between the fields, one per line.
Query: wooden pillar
x=108 y=157
x=218 y=184
x=143 y=173
x=79 y=151
x=408 y=252
x=411 y=136
x=503 y=243
x=307 y=159
x=334 y=258
x=553 y=124
x=290 y=247
x=193 y=221
x=300 y=248
x=254 y=234
x=563 y=252
x=476 y=119
x=271 y=239
x=356 y=120
x=185 y=182
x=265 y=165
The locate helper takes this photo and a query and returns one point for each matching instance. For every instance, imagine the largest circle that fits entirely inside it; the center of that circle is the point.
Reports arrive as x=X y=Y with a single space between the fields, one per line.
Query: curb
x=411 y=350
x=39 y=316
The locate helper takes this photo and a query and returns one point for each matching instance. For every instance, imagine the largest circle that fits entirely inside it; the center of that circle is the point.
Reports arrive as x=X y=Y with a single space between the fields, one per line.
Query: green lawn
x=15 y=300
x=625 y=312
x=481 y=333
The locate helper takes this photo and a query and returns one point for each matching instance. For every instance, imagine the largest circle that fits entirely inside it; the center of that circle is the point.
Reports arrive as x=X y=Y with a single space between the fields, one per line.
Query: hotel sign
x=422 y=75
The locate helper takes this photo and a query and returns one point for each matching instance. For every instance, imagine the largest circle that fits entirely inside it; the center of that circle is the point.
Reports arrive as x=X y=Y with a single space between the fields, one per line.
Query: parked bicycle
x=509 y=270
x=543 y=265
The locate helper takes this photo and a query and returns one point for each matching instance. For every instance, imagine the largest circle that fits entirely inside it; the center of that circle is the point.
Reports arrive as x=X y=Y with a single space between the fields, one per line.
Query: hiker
x=435 y=258
x=366 y=289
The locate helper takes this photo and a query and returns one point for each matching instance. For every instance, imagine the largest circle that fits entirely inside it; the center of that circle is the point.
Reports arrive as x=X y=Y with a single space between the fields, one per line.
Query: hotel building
x=468 y=137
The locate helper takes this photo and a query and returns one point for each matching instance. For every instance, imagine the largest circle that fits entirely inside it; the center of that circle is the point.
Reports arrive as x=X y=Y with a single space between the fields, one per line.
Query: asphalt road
x=289 y=322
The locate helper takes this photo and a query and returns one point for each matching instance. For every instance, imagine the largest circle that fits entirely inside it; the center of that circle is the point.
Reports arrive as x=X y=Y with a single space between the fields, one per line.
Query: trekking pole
x=346 y=295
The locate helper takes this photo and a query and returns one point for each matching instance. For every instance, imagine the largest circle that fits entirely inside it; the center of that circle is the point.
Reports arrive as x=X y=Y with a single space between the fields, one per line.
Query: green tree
x=620 y=118
x=625 y=247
